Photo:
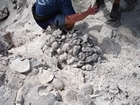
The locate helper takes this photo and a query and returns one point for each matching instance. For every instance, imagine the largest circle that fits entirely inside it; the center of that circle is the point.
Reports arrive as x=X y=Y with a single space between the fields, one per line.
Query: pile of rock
x=74 y=48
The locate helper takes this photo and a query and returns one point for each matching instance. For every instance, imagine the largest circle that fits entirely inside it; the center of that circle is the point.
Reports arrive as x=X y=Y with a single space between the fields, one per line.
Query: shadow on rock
x=6 y=42
x=110 y=46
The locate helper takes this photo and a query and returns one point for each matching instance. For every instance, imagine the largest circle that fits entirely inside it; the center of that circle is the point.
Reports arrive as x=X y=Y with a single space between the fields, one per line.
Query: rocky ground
x=96 y=63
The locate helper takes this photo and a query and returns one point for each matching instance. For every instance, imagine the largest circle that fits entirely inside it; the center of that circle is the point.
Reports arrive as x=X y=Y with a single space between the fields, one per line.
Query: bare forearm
x=78 y=16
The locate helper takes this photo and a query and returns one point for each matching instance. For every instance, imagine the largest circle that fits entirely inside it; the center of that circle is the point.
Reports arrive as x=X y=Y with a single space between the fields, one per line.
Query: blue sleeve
x=67 y=8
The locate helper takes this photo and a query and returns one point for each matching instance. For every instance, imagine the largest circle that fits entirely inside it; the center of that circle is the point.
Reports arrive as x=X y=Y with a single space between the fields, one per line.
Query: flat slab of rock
x=45 y=76
x=20 y=66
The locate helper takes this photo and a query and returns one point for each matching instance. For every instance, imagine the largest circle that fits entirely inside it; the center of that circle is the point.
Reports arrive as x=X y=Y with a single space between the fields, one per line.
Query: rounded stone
x=58 y=84
x=45 y=76
x=87 y=89
x=54 y=46
x=20 y=66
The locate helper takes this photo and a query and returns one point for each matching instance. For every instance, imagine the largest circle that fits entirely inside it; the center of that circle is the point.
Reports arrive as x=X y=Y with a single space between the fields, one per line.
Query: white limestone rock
x=81 y=56
x=89 y=67
x=44 y=90
x=20 y=66
x=66 y=47
x=7 y=95
x=45 y=76
x=19 y=98
x=63 y=37
x=48 y=99
x=57 y=32
x=85 y=38
x=48 y=42
x=92 y=58
x=63 y=57
x=70 y=60
x=73 y=97
x=76 y=50
x=58 y=85
x=87 y=89
x=59 y=51
x=97 y=50
x=83 y=67
x=54 y=46
x=80 y=63
x=15 y=82
x=113 y=88
x=51 y=40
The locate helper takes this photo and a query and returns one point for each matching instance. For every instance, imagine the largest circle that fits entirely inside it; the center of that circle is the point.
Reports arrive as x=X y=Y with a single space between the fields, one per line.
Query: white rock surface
x=45 y=76
x=88 y=89
x=20 y=66
x=113 y=71
x=58 y=85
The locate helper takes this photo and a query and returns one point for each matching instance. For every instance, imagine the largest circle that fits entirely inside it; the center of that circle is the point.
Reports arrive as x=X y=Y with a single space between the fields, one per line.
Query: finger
x=95 y=7
x=90 y=6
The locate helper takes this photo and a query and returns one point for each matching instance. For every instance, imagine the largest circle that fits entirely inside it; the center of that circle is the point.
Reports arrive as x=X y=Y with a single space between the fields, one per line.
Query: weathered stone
x=19 y=97
x=48 y=99
x=97 y=50
x=57 y=32
x=66 y=47
x=83 y=67
x=63 y=57
x=92 y=58
x=15 y=82
x=44 y=90
x=32 y=101
x=87 y=89
x=80 y=63
x=59 y=51
x=45 y=76
x=81 y=56
x=113 y=88
x=85 y=38
x=88 y=67
x=73 y=97
x=20 y=66
x=54 y=46
x=58 y=84
x=7 y=95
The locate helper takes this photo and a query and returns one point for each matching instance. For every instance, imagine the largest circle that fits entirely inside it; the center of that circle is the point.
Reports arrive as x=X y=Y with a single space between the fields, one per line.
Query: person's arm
x=80 y=16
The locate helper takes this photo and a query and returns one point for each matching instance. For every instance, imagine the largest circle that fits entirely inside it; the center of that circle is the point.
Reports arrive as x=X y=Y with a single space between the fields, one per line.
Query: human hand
x=92 y=10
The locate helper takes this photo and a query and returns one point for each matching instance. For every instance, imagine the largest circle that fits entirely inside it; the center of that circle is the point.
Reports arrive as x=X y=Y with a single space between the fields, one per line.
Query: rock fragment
x=58 y=85
x=15 y=82
x=21 y=66
x=45 y=76
x=48 y=99
x=87 y=89
x=73 y=97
